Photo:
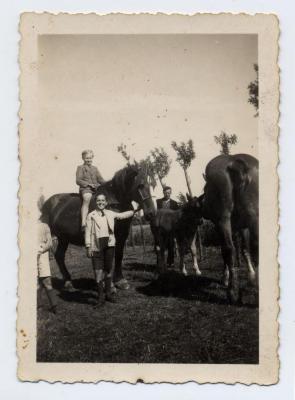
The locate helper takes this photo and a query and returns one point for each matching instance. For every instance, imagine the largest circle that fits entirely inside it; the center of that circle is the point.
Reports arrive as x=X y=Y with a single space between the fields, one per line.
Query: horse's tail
x=41 y=202
x=239 y=172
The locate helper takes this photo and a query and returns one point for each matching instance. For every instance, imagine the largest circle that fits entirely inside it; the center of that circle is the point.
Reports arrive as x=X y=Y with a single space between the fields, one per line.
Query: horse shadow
x=82 y=293
x=193 y=288
x=140 y=267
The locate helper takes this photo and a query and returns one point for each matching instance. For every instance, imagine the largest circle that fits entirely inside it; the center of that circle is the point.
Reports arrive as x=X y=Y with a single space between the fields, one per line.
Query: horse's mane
x=118 y=188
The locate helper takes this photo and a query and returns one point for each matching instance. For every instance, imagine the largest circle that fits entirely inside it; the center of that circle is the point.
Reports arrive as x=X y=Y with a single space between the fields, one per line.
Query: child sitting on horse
x=100 y=244
x=88 y=178
x=44 y=273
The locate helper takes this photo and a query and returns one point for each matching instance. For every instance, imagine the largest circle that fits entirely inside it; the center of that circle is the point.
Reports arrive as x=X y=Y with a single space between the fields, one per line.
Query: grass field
x=171 y=319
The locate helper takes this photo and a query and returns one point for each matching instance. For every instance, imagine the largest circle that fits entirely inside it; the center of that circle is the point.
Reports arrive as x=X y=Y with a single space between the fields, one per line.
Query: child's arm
x=88 y=231
x=99 y=178
x=47 y=244
x=79 y=178
x=88 y=235
x=124 y=215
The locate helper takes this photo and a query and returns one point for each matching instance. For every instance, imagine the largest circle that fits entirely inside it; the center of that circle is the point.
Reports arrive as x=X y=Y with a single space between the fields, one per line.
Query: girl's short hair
x=86 y=152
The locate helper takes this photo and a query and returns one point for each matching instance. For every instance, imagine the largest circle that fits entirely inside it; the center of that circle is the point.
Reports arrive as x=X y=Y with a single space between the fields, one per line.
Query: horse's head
x=141 y=192
x=134 y=186
x=193 y=207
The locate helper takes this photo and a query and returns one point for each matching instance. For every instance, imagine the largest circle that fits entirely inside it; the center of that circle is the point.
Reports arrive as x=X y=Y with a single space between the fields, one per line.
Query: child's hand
x=89 y=252
x=135 y=205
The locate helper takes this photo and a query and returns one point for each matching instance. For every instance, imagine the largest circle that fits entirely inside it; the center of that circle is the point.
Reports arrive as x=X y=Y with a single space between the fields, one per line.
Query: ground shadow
x=196 y=288
x=141 y=267
x=78 y=284
x=79 y=297
x=81 y=293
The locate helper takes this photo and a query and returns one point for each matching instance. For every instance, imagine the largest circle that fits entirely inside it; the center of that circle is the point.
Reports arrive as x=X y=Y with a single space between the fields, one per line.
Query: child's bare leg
x=85 y=207
x=97 y=264
x=47 y=284
x=108 y=267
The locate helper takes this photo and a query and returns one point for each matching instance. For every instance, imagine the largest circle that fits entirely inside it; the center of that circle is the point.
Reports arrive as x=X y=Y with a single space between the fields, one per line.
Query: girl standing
x=44 y=273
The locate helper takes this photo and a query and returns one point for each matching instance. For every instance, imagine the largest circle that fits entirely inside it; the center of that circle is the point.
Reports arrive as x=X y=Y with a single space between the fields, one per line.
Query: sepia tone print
x=148 y=182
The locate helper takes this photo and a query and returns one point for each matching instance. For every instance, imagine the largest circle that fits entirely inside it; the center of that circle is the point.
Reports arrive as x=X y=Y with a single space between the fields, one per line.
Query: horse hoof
x=252 y=279
x=113 y=289
x=225 y=282
x=68 y=286
x=122 y=284
x=198 y=272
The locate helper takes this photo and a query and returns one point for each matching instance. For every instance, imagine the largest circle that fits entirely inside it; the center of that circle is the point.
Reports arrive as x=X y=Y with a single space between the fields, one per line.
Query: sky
x=98 y=91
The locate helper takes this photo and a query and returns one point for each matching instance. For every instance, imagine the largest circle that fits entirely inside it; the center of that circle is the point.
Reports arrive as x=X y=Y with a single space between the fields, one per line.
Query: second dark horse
x=62 y=212
x=231 y=202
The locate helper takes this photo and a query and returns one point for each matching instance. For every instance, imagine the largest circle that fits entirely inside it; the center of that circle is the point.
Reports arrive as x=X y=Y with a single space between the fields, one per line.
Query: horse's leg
x=254 y=241
x=193 y=249
x=156 y=234
x=60 y=259
x=181 y=249
x=198 y=241
x=246 y=253
x=170 y=247
x=228 y=251
x=162 y=244
x=237 y=246
x=121 y=231
x=225 y=278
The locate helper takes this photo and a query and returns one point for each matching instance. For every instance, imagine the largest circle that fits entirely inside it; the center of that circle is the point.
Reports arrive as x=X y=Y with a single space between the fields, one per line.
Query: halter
x=142 y=196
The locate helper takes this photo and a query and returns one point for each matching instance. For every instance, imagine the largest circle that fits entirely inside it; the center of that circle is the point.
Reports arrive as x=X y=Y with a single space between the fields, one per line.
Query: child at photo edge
x=44 y=273
x=100 y=245
x=88 y=178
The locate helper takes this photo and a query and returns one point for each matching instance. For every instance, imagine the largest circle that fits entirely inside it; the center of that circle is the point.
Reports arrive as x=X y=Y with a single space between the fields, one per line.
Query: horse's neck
x=116 y=198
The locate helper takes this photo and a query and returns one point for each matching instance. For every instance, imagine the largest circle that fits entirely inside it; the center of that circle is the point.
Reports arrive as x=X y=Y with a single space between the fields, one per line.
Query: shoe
x=111 y=298
x=69 y=286
x=52 y=300
x=108 y=288
x=113 y=288
x=100 y=295
x=122 y=284
x=53 y=309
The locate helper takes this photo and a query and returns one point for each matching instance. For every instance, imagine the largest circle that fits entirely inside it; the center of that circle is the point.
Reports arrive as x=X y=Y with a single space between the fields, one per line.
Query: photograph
x=141 y=188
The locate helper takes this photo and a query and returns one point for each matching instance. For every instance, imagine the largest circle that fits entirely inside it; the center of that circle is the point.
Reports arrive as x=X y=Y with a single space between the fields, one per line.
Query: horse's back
x=231 y=186
x=166 y=219
x=62 y=212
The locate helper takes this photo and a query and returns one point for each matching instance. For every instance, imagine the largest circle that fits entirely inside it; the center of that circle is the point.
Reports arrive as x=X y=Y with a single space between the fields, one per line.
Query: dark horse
x=62 y=212
x=231 y=202
x=181 y=224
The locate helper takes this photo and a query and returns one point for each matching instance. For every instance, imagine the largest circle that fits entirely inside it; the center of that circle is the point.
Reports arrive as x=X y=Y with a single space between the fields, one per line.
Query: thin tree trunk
x=188 y=182
x=161 y=181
